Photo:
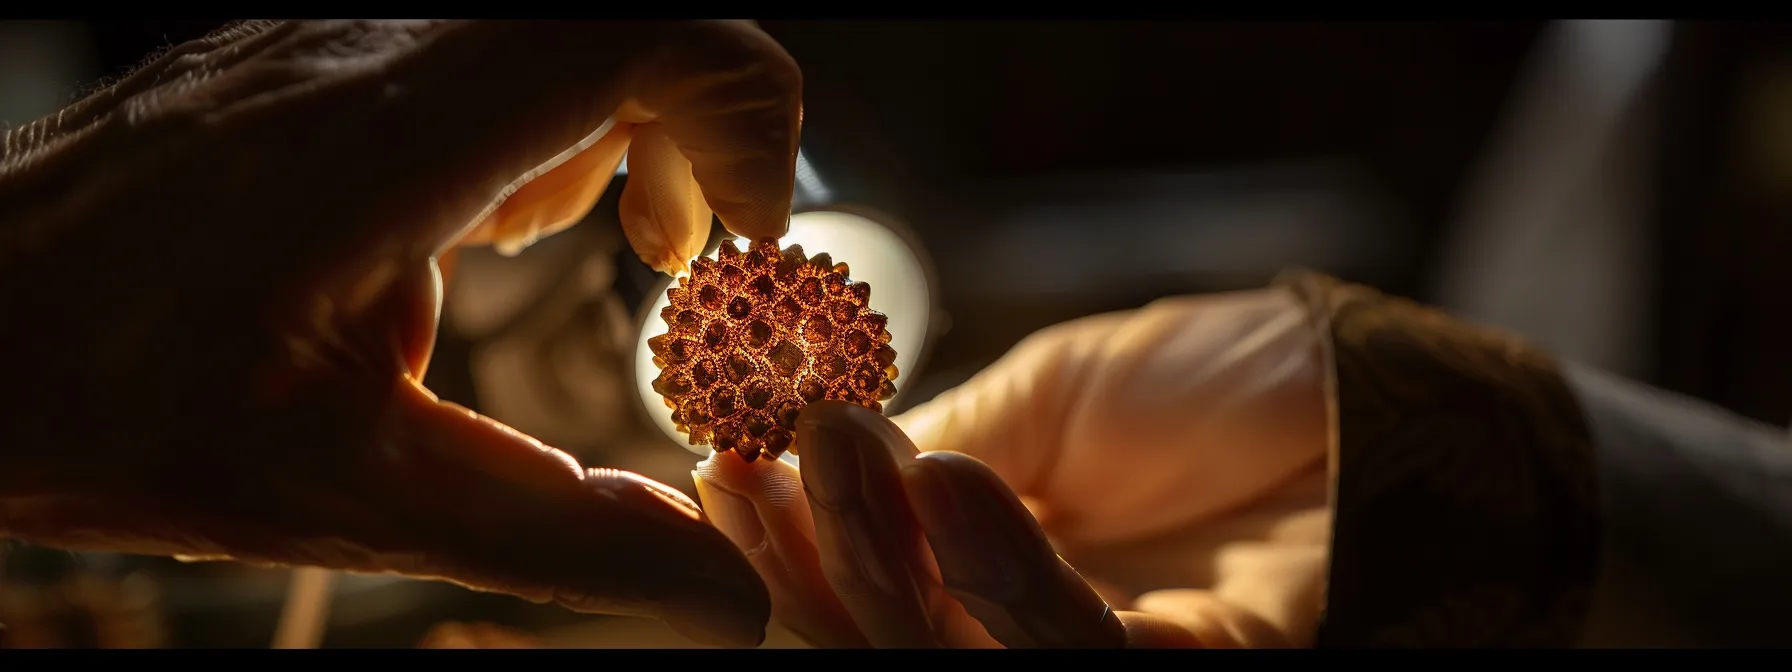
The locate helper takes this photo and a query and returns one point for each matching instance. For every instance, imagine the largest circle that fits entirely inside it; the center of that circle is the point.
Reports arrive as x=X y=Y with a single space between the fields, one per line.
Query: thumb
x=429 y=489
x=363 y=469
x=470 y=500
x=1211 y=621
x=486 y=506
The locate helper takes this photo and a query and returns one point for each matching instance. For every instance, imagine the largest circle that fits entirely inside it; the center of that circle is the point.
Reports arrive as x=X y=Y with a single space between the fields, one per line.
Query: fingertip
x=741 y=129
x=755 y=221
x=1151 y=631
x=957 y=462
x=664 y=214
x=765 y=482
x=643 y=494
x=1216 y=622
x=864 y=426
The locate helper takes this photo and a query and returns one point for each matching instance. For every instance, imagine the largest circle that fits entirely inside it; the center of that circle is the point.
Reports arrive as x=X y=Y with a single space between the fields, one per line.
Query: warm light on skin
x=877 y=255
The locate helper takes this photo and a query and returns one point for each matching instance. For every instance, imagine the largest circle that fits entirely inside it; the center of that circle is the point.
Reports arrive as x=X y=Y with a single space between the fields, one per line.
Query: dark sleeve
x=1697 y=516
x=1464 y=495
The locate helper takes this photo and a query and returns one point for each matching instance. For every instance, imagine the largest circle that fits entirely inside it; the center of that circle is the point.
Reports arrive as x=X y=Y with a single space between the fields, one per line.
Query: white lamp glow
x=878 y=256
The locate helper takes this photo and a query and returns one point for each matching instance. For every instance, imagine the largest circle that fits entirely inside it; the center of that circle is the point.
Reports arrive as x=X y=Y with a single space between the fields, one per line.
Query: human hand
x=458 y=635
x=1176 y=455
x=219 y=293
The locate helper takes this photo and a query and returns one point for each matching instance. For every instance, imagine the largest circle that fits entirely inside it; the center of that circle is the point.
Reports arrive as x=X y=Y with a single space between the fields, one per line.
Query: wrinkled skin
x=1174 y=455
x=219 y=292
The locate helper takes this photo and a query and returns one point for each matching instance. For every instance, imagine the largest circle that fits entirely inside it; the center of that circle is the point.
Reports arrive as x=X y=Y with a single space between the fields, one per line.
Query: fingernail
x=733 y=514
x=996 y=560
x=973 y=551
x=831 y=471
x=644 y=495
x=857 y=501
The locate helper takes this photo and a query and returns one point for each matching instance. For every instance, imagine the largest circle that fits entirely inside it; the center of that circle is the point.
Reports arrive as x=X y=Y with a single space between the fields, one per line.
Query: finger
x=420 y=293
x=1212 y=620
x=446 y=263
x=598 y=540
x=456 y=635
x=486 y=487
x=557 y=199
x=1180 y=385
x=460 y=110
x=662 y=208
x=1151 y=631
x=996 y=560
x=475 y=502
x=760 y=506
x=995 y=416
x=435 y=491
x=871 y=546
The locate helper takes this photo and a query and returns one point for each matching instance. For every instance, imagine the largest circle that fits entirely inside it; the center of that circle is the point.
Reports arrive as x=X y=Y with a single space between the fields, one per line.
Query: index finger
x=417 y=129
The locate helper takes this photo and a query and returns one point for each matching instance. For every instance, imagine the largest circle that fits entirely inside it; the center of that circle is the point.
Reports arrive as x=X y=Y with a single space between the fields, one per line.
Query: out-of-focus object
x=41 y=64
x=457 y=635
x=881 y=255
x=85 y=610
x=548 y=333
x=1127 y=233
x=307 y=609
x=1555 y=237
x=751 y=338
x=1027 y=253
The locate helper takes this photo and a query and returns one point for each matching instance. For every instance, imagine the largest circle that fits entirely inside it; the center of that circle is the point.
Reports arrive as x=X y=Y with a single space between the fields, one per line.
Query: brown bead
x=740 y=368
x=740 y=308
x=759 y=394
x=812 y=390
x=710 y=297
x=763 y=287
x=786 y=358
x=686 y=320
x=817 y=329
x=856 y=344
x=754 y=337
x=721 y=403
x=715 y=334
x=809 y=291
x=733 y=277
x=776 y=442
x=843 y=311
x=759 y=334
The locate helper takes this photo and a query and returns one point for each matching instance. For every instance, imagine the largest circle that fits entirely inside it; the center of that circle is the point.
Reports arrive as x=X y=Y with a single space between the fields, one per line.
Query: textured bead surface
x=753 y=337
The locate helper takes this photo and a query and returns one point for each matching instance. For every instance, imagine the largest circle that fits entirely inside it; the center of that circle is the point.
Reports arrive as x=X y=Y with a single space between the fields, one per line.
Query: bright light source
x=878 y=255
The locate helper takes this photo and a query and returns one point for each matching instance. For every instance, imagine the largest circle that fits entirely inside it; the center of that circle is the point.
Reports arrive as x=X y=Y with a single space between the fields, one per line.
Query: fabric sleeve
x=1464 y=493
x=1697 y=509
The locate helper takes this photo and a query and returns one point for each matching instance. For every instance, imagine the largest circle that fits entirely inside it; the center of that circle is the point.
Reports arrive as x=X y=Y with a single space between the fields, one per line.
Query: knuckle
x=334 y=46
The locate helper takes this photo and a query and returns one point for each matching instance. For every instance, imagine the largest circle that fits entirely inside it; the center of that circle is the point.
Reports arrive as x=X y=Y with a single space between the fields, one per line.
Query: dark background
x=975 y=133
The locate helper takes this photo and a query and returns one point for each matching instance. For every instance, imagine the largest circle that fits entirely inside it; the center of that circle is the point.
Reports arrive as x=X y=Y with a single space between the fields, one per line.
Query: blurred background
x=1619 y=191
